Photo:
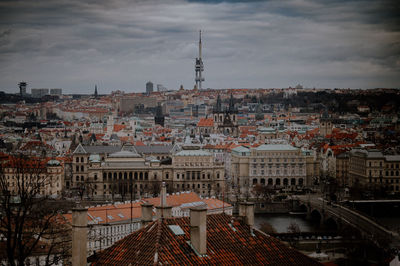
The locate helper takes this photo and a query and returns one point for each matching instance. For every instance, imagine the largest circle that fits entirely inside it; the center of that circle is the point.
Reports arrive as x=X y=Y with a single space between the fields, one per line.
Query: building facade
x=44 y=178
x=115 y=172
x=274 y=165
x=373 y=168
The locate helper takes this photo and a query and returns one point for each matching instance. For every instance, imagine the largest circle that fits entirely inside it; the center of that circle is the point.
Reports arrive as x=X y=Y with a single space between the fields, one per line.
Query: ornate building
x=225 y=121
x=273 y=165
x=122 y=172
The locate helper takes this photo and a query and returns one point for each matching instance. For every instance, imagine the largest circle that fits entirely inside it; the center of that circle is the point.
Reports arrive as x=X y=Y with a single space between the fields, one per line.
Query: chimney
x=147 y=213
x=163 y=211
x=79 y=236
x=198 y=229
x=246 y=211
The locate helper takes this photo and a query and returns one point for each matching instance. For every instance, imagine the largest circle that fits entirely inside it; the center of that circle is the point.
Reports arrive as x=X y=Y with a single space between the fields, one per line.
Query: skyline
x=246 y=44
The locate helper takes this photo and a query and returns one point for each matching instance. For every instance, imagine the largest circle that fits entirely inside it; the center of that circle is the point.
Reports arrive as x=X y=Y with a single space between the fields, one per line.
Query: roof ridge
x=157 y=244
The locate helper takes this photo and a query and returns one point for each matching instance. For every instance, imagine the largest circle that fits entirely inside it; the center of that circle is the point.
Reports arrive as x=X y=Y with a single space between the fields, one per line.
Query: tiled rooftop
x=229 y=242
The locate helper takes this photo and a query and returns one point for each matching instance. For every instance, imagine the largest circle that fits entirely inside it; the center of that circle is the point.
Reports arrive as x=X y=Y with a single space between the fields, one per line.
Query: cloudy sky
x=121 y=44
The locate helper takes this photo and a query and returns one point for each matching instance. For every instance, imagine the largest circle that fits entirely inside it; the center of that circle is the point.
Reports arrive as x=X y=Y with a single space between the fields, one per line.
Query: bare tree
x=29 y=220
x=267 y=228
x=294 y=229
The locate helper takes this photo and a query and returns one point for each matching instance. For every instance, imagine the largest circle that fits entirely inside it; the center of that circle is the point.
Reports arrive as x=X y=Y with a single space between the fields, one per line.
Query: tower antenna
x=199 y=67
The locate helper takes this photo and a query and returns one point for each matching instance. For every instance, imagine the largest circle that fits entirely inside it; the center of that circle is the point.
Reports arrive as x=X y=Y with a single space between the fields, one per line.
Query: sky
x=122 y=44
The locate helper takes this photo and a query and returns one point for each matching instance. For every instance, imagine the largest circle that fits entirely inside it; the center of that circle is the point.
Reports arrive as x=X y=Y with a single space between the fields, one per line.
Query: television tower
x=199 y=67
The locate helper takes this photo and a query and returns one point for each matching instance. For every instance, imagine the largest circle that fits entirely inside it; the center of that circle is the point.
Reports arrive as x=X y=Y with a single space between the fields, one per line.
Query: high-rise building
x=149 y=87
x=56 y=92
x=22 y=88
x=161 y=87
x=39 y=93
x=199 y=68
x=159 y=117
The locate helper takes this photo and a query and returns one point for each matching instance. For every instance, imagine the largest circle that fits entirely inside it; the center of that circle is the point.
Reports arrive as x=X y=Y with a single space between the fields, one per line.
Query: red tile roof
x=176 y=199
x=206 y=122
x=229 y=242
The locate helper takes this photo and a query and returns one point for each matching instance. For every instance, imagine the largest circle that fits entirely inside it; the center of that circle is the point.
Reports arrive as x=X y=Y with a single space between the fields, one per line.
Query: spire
x=218 y=105
x=231 y=104
x=95 y=91
x=200 y=44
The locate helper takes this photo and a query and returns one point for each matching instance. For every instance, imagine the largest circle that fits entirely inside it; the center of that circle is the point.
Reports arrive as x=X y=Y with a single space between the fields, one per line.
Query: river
x=280 y=222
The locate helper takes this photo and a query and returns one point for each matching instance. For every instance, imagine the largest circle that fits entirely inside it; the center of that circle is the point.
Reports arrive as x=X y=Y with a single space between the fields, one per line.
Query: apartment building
x=373 y=168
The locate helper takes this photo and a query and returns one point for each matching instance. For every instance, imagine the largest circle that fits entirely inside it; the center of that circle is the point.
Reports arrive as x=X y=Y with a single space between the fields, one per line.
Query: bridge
x=335 y=215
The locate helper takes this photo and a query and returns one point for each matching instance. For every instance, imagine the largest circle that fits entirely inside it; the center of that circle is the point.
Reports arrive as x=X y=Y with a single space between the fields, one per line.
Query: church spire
x=95 y=91
x=231 y=104
x=218 y=106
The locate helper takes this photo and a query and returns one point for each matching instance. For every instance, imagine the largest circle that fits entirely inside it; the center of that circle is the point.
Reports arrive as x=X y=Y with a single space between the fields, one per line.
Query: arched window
x=270 y=181
x=278 y=182
x=293 y=181
x=262 y=181
x=254 y=181
x=285 y=181
x=301 y=181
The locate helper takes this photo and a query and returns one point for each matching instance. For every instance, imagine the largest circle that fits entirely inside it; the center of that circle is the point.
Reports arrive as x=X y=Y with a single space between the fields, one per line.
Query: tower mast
x=199 y=67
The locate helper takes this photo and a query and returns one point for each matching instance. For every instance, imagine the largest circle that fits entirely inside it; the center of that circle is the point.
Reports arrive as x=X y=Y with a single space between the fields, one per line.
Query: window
x=166 y=175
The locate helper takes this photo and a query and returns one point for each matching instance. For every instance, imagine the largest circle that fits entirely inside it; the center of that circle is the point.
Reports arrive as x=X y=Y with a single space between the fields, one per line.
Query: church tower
x=325 y=124
x=225 y=121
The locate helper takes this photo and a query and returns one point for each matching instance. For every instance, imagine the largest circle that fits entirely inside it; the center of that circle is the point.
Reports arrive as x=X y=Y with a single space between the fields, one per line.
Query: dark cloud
x=121 y=44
